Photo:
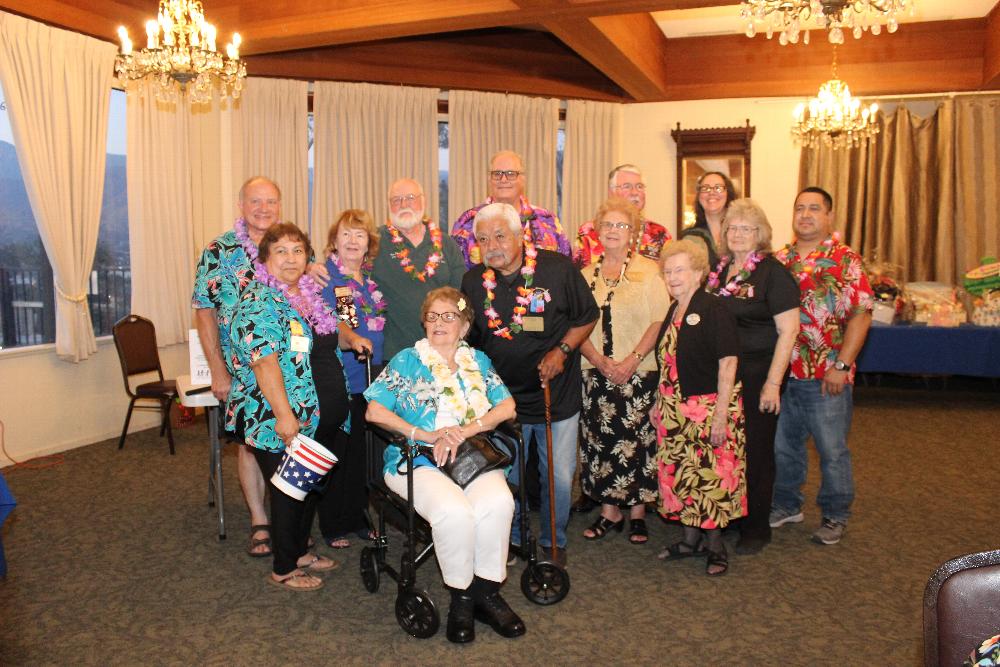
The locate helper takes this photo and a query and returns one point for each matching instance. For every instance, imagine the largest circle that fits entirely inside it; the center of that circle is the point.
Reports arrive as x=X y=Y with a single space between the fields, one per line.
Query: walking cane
x=552 y=482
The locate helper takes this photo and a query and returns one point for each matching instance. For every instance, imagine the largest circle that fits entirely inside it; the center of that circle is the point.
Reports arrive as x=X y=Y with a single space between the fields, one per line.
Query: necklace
x=243 y=236
x=733 y=286
x=621 y=274
x=523 y=297
x=373 y=303
x=308 y=302
x=455 y=406
x=402 y=253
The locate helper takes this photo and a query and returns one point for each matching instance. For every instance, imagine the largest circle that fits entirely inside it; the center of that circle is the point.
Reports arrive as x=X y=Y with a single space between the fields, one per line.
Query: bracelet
x=638 y=356
x=480 y=422
x=412 y=431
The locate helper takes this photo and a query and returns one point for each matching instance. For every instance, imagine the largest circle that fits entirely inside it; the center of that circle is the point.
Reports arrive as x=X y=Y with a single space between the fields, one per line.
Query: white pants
x=470 y=527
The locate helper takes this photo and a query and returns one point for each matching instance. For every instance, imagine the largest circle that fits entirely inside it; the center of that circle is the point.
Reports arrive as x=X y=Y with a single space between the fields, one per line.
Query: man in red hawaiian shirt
x=836 y=307
x=506 y=185
x=624 y=181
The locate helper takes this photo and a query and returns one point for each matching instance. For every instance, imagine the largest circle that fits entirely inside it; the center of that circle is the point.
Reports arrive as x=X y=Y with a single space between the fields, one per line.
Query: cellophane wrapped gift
x=934 y=304
x=983 y=278
x=888 y=293
x=986 y=312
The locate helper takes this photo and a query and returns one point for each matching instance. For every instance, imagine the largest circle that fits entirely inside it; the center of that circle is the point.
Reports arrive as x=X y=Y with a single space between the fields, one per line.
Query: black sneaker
x=461 y=623
x=493 y=610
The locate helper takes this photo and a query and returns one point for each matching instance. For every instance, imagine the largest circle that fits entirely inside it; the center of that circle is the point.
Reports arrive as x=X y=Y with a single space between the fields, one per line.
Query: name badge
x=300 y=344
x=693 y=319
x=533 y=324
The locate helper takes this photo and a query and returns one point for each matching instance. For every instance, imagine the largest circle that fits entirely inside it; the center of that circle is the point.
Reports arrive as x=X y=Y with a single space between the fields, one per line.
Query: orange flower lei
x=523 y=297
x=402 y=253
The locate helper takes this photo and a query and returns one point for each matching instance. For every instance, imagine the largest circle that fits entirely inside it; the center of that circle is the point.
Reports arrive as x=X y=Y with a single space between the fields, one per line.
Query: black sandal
x=256 y=542
x=717 y=559
x=601 y=527
x=637 y=528
x=682 y=549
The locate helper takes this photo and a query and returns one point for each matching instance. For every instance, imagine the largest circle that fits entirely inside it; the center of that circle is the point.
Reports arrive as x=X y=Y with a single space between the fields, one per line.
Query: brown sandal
x=288 y=583
x=259 y=542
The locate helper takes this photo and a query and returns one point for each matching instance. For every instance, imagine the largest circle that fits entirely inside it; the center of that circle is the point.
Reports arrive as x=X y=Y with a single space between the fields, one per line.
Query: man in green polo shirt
x=415 y=256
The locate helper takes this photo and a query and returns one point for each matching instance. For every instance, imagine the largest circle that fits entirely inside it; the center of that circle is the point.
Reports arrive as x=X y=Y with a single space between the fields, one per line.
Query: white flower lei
x=455 y=407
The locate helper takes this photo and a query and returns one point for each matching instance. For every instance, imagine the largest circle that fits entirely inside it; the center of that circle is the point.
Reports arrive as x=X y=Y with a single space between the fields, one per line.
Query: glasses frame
x=455 y=316
x=498 y=175
x=396 y=202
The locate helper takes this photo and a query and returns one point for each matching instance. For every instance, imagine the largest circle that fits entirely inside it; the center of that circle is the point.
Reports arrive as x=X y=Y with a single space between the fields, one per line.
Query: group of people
x=684 y=373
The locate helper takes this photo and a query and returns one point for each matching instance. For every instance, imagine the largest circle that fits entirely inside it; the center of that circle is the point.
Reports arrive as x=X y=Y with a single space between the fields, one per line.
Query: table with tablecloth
x=923 y=350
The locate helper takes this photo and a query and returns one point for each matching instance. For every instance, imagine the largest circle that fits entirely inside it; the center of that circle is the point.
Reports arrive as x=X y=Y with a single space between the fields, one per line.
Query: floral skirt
x=617 y=440
x=700 y=484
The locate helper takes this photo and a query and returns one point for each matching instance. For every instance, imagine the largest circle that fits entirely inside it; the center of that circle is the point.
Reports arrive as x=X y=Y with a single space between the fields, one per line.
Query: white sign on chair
x=200 y=372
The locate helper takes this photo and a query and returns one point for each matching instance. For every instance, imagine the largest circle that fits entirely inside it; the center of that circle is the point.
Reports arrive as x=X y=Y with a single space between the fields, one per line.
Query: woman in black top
x=713 y=194
x=764 y=297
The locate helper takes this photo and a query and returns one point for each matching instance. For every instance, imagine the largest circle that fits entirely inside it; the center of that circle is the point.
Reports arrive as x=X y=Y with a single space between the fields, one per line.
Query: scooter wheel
x=545 y=583
x=416 y=614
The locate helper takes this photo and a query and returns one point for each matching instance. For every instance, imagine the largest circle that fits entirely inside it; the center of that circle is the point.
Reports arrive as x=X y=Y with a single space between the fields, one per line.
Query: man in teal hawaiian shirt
x=835 y=313
x=506 y=185
x=224 y=272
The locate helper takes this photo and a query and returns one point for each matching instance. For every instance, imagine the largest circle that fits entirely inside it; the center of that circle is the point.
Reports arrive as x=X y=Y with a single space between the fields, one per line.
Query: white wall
x=774 y=158
x=48 y=405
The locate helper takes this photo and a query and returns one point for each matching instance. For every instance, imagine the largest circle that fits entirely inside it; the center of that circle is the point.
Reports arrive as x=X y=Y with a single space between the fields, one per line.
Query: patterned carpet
x=114 y=560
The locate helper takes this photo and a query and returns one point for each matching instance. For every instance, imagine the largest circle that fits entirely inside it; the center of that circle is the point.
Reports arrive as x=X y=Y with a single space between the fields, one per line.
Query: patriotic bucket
x=303 y=467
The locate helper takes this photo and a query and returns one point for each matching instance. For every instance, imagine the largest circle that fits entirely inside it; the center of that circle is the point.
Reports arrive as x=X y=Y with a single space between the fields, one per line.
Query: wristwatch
x=841 y=366
x=566 y=349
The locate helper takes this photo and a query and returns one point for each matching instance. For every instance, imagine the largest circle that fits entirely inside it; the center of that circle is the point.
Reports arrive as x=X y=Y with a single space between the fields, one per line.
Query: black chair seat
x=162 y=388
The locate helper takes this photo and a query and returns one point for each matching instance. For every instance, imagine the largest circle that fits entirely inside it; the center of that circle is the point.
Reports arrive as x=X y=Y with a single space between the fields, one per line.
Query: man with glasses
x=533 y=309
x=624 y=181
x=415 y=257
x=506 y=185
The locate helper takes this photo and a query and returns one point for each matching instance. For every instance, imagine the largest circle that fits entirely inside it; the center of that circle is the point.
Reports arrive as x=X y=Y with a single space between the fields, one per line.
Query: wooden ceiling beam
x=991 y=50
x=96 y=19
x=627 y=48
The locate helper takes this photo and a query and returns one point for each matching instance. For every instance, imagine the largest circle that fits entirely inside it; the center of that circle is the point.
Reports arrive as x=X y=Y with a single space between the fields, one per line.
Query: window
x=27 y=303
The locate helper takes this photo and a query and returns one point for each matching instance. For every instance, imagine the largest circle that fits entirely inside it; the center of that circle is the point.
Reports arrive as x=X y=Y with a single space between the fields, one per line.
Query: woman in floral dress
x=698 y=413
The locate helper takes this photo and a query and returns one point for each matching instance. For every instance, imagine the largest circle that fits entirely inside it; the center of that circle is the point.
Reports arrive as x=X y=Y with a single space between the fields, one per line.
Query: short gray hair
x=500 y=210
x=630 y=168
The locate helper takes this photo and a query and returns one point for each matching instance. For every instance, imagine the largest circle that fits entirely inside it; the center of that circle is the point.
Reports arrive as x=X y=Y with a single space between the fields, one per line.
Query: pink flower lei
x=308 y=302
x=373 y=305
x=733 y=286
x=803 y=266
x=243 y=236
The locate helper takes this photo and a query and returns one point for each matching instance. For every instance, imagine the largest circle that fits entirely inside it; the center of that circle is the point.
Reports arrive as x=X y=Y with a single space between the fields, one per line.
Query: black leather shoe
x=461 y=623
x=493 y=610
x=584 y=504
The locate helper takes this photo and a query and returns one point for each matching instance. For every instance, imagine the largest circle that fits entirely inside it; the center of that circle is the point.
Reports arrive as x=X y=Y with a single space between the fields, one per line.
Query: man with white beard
x=415 y=257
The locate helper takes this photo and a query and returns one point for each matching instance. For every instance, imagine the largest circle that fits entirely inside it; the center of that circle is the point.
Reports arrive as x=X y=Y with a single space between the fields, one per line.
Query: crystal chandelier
x=789 y=18
x=180 y=55
x=834 y=118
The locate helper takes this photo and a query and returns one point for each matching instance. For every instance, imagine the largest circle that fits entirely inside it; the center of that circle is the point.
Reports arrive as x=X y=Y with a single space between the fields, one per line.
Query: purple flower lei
x=373 y=305
x=243 y=236
x=753 y=259
x=308 y=302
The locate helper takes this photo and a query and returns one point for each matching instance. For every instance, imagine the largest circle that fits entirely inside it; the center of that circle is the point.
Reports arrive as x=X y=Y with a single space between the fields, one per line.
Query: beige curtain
x=479 y=125
x=215 y=151
x=158 y=174
x=58 y=88
x=367 y=136
x=977 y=161
x=894 y=197
x=593 y=140
x=275 y=121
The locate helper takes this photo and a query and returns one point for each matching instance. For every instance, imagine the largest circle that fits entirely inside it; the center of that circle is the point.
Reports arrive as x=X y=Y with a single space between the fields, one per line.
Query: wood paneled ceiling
x=588 y=49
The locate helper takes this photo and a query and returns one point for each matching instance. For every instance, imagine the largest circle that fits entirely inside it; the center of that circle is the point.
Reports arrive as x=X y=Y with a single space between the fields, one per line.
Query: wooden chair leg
x=128 y=417
x=167 y=405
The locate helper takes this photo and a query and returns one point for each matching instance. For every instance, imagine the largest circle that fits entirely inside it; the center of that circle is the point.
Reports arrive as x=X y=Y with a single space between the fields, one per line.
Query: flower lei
x=455 y=407
x=308 y=302
x=243 y=236
x=523 y=297
x=733 y=286
x=373 y=304
x=621 y=274
x=803 y=267
x=402 y=253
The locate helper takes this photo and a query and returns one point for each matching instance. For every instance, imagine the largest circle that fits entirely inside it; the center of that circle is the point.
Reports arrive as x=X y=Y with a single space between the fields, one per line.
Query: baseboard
x=140 y=422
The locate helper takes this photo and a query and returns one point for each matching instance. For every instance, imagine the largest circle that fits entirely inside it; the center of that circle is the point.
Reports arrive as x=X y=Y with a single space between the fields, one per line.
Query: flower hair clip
x=461 y=304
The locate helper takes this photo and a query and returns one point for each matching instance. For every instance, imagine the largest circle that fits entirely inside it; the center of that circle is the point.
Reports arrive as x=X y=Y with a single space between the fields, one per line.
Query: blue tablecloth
x=7 y=504
x=922 y=350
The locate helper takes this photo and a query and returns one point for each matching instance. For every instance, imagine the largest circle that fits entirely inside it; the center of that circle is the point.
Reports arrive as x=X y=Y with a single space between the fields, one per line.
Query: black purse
x=481 y=453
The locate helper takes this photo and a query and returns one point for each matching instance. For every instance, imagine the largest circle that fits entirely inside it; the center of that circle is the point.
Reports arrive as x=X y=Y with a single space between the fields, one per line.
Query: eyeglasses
x=628 y=187
x=742 y=230
x=717 y=189
x=449 y=316
x=607 y=224
x=396 y=202
x=499 y=174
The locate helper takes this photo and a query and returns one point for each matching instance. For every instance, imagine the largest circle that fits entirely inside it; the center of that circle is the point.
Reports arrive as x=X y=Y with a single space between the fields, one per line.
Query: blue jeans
x=804 y=412
x=564 y=442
